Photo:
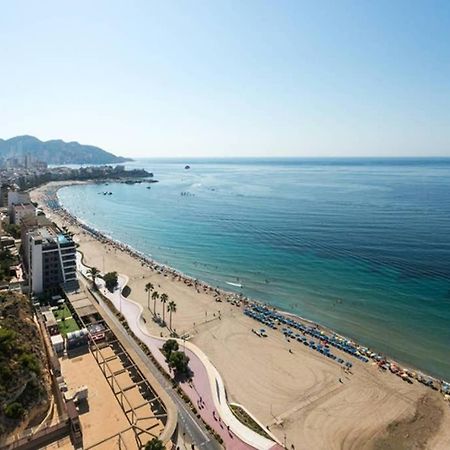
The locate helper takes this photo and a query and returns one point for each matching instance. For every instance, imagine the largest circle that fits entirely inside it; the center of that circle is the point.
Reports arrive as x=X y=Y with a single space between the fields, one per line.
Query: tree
x=155 y=297
x=176 y=360
x=164 y=299
x=179 y=361
x=93 y=272
x=111 y=281
x=171 y=345
x=154 y=444
x=149 y=288
x=171 y=308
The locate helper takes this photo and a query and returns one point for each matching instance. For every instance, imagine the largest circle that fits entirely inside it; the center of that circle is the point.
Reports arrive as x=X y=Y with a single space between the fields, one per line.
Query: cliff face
x=56 y=151
x=24 y=375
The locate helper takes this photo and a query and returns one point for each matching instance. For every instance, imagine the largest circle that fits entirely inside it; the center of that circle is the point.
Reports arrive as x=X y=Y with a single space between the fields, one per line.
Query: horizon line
x=291 y=157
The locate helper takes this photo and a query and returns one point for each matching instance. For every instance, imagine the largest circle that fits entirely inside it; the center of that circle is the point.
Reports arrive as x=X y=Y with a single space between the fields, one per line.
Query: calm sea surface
x=361 y=246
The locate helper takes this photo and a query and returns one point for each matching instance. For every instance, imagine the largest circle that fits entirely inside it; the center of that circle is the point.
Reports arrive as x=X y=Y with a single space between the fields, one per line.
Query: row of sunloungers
x=273 y=319
x=321 y=348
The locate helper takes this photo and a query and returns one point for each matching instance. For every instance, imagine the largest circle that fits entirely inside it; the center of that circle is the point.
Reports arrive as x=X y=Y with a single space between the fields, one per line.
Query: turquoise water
x=361 y=246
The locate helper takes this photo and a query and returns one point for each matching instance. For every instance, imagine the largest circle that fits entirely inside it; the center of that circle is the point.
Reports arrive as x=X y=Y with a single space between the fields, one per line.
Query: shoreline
x=219 y=293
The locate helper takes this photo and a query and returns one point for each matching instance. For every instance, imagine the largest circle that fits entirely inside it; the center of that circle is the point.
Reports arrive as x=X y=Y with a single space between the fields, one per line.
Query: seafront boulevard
x=206 y=390
x=302 y=395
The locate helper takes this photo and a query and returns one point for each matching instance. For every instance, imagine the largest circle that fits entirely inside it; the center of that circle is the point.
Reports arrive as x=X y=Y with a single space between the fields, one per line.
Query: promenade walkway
x=207 y=391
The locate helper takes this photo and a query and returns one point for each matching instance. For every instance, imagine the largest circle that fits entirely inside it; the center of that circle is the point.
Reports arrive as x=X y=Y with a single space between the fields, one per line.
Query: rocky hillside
x=56 y=151
x=24 y=376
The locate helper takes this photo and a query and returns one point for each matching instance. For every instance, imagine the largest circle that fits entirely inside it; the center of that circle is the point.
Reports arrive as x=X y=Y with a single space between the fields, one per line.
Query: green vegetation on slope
x=56 y=151
x=23 y=375
x=12 y=229
x=6 y=261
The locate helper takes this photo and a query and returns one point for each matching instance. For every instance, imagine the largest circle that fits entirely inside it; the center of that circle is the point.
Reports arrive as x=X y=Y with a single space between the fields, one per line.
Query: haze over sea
x=359 y=245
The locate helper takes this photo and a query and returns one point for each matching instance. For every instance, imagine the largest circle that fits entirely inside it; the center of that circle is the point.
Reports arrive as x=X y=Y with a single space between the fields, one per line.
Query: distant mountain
x=56 y=151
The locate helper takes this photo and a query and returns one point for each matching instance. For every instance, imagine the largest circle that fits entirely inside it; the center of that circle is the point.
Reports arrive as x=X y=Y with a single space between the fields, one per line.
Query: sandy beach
x=306 y=400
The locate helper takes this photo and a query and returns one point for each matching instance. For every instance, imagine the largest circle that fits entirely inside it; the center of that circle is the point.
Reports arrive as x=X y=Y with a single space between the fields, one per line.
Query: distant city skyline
x=217 y=79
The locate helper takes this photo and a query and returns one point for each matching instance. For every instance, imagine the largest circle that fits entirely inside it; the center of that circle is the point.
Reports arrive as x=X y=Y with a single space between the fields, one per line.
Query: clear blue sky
x=229 y=78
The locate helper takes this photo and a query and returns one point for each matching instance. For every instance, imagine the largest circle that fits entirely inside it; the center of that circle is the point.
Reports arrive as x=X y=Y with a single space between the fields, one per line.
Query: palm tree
x=93 y=272
x=164 y=299
x=148 y=288
x=171 y=308
x=155 y=297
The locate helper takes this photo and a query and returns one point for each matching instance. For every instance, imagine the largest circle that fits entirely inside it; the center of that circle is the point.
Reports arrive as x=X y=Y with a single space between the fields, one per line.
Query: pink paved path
x=201 y=385
x=200 y=388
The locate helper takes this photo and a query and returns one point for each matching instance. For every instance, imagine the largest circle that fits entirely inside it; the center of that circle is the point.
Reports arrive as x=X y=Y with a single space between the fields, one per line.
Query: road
x=187 y=421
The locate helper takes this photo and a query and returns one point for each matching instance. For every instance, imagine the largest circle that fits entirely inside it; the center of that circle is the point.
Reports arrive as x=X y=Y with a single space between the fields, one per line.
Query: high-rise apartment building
x=50 y=256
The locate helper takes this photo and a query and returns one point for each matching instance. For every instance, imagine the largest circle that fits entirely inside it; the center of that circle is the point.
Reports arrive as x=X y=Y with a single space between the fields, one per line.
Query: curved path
x=207 y=391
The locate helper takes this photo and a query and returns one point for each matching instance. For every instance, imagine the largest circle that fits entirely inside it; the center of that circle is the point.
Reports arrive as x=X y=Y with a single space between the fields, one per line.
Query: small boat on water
x=234 y=284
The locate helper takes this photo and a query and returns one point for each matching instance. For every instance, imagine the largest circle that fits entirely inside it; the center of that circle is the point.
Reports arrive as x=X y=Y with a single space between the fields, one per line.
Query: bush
x=5 y=373
x=7 y=338
x=126 y=291
x=154 y=444
x=14 y=410
x=30 y=362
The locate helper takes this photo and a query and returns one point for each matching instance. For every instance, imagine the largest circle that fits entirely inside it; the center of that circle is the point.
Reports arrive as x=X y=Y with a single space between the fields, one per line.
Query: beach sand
x=307 y=400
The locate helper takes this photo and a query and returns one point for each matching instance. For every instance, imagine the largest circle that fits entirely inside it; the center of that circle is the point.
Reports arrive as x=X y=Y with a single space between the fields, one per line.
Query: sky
x=229 y=78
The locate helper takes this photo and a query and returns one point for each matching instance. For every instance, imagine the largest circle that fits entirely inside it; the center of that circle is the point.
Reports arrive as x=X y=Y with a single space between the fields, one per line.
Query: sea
x=361 y=246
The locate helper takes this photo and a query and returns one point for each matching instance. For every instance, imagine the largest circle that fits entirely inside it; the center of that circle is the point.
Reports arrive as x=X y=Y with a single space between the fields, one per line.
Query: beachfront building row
x=49 y=255
x=18 y=212
x=18 y=203
x=19 y=206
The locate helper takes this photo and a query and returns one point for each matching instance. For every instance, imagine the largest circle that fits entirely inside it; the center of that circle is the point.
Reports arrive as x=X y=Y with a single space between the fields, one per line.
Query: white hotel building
x=51 y=259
